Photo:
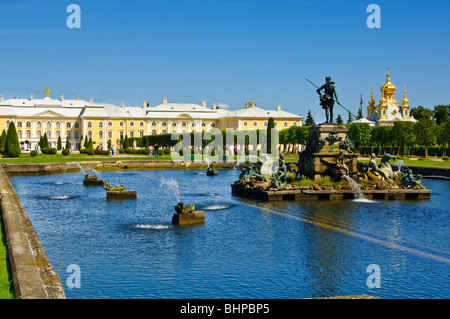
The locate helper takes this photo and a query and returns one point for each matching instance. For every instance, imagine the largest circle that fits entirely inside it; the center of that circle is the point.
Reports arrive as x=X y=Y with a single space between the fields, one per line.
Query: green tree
x=68 y=145
x=443 y=137
x=125 y=143
x=402 y=132
x=3 y=142
x=339 y=120
x=309 y=120
x=44 y=142
x=90 y=144
x=270 y=126
x=12 y=146
x=86 y=141
x=424 y=130
x=441 y=113
x=360 y=114
x=360 y=134
x=59 y=143
x=350 y=118
x=421 y=112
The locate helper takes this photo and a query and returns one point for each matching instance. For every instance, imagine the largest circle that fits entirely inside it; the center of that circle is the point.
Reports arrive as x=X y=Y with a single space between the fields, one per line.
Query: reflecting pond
x=246 y=249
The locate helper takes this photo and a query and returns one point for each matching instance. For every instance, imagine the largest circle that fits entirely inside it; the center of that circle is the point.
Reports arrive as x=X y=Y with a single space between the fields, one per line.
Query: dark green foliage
x=3 y=142
x=441 y=113
x=33 y=153
x=167 y=151
x=339 y=120
x=65 y=152
x=309 y=120
x=59 y=143
x=86 y=141
x=44 y=142
x=421 y=112
x=12 y=145
x=125 y=144
x=270 y=126
x=68 y=144
x=89 y=151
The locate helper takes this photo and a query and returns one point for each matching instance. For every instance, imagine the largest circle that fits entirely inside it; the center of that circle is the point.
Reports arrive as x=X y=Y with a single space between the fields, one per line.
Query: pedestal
x=121 y=194
x=189 y=218
x=93 y=182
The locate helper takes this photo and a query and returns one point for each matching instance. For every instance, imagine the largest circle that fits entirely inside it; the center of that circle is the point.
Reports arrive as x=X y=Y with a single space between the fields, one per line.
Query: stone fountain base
x=125 y=194
x=93 y=182
x=307 y=194
x=212 y=173
x=189 y=218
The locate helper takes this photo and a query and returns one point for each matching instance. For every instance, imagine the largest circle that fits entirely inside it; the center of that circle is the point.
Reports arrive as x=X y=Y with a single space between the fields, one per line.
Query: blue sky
x=225 y=52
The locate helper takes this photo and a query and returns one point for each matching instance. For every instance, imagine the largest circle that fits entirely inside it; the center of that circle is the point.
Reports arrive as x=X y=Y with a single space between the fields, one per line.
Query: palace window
x=68 y=134
x=141 y=124
x=38 y=124
x=285 y=124
x=131 y=133
x=184 y=124
x=89 y=134
x=153 y=132
x=164 y=132
x=58 y=125
x=174 y=124
x=7 y=123
x=28 y=134
x=110 y=123
x=100 y=134
x=110 y=134
x=28 y=124
x=294 y=124
x=89 y=124
x=49 y=134
x=121 y=123
x=276 y=124
x=77 y=135
x=68 y=125
x=77 y=125
x=19 y=124
x=213 y=124
x=203 y=124
x=141 y=133
x=57 y=134
x=164 y=124
x=49 y=124
x=100 y=124
x=245 y=123
x=19 y=134
x=121 y=134
x=131 y=124
x=38 y=134
x=265 y=124
x=154 y=123
x=255 y=124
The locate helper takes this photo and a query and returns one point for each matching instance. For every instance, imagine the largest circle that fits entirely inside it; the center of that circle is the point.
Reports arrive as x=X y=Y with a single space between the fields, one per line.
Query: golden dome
x=388 y=87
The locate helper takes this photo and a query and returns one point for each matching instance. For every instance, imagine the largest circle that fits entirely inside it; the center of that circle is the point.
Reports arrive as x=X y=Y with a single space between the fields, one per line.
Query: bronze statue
x=328 y=98
x=182 y=209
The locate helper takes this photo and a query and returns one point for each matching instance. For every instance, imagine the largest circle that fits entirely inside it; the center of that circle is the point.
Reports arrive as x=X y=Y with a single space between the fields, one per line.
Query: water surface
x=246 y=249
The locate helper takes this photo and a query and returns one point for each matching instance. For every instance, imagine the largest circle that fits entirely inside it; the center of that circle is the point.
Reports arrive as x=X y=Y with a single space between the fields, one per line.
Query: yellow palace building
x=75 y=119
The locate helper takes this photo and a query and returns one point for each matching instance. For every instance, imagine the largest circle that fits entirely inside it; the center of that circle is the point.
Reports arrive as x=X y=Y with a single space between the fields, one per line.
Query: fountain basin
x=93 y=182
x=327 y=194
x=125 y=194
x=187 y=219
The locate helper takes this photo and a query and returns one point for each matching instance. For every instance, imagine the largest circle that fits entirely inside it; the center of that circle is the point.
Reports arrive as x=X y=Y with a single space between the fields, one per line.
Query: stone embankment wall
x=32 y=274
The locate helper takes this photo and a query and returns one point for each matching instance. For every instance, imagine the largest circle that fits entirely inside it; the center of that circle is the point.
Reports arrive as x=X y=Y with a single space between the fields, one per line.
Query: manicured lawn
x=6 y=290
x=46 y=158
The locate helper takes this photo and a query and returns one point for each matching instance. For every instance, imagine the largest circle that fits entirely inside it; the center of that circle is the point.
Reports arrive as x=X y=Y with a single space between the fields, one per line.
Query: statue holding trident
x=328 y=98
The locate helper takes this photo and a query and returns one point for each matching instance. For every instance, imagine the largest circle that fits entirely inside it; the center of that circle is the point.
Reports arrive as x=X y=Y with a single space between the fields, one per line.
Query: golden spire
x=405 y=99
x=47 y=92
x=371 y=101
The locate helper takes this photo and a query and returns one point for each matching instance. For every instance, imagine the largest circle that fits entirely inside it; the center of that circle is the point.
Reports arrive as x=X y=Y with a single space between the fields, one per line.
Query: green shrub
x=12 y=146
x=98 y=151
x=167 y=151
x=180 y=152
x=33 y=153
x=89 y=151
x=65 y=152
x=45 y=150
x=122 y=151
x=52 y=150
x=106 y=152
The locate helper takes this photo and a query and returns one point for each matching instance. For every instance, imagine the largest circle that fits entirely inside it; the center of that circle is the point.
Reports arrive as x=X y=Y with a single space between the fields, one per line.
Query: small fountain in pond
x=186 y=215
x=355 y=187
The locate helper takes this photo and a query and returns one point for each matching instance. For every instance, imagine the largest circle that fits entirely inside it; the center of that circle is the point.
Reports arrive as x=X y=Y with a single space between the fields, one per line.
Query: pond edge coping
x=32 y=274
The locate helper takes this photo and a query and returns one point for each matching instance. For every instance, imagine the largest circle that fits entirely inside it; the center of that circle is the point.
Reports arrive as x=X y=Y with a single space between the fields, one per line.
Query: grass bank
x=6 y=287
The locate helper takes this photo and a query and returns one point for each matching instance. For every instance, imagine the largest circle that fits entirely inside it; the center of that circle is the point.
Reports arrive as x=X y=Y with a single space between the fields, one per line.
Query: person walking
x=156 y=150
x=112 y=149
x=150 y=150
